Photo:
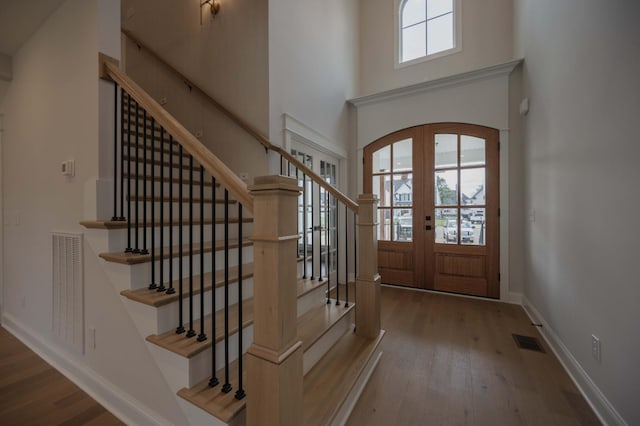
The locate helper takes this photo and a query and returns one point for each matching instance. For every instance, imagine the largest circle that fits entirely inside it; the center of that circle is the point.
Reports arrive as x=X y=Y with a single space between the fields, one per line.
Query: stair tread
x=133 y=258
x=189 y=347
x=156 y=298
x=338 y=370
x=122 y=224
x=222 y=405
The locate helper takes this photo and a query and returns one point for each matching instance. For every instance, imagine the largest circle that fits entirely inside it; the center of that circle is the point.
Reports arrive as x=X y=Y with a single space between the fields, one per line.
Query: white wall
x=226 y=56
x=51 y=113
x=313 y=56
x=581 y=177
x=486 y=40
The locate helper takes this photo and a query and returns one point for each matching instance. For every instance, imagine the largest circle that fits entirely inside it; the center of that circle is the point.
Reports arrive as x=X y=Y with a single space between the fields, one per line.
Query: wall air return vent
x=68 y=290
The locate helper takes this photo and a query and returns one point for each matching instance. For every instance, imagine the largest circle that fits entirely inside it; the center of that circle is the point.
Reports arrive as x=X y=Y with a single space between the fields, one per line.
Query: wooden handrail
x=212 y=164
x=352 y=205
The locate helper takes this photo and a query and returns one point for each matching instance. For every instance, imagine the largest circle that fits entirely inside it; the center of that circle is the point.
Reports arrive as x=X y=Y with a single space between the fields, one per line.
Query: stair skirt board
x=181 y=372
x=158 y=320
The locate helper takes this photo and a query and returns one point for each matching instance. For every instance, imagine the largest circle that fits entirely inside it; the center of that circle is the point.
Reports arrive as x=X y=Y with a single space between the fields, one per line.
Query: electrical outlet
x=596 y=348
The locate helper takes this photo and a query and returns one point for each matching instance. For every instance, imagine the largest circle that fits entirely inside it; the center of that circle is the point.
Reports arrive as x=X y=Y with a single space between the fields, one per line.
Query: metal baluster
x=346 y=254
x=304 y=225
x=161 y=287
x=115 y=152
x=153 y=284
x=171 y=289
x=144 y=185
x=337 y=243
x=312 y=232
x=191 y=331
x=129 y=249
x=137 y=199
x=180 y=328
x=319 y=232
x=281 y=164
x=202 y=336
x=122 y=94
x=240 y=392
x=214 y=379
x=226 y=388
x=327 y=245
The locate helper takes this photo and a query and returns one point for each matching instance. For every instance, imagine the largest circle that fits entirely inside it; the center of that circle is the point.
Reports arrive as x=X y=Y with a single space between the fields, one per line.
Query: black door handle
x=427 y=228
x=427 y=218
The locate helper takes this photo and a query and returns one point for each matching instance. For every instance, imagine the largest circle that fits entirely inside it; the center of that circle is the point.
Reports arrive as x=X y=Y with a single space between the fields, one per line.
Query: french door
x=438 y=216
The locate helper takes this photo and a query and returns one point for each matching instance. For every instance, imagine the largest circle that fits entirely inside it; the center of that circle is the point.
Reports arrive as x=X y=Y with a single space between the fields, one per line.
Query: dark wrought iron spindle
x=180 y=328
x=144 y=185
x=226 y=388
x=240 y=392
x=115 y=152
x=153 y=284
x=191 y=331
x=202 y=336
x=161 y=286
x=346 y=255
x=122 y=95
x=214 y=378
x=171 y=289
x=337 y=244
x=304 y=225
x=129 y=249
x=136 y=248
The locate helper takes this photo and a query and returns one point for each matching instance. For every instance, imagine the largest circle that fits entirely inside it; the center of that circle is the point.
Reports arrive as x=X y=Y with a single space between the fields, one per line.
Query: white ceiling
x=19 y=19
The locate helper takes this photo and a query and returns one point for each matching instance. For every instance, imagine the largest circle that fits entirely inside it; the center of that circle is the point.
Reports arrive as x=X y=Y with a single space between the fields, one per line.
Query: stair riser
x=120 y=235
x=167 y=206
x=315 y=352
x=133 y=277
x=312 y=300
x=183 y=372
x=151 y=320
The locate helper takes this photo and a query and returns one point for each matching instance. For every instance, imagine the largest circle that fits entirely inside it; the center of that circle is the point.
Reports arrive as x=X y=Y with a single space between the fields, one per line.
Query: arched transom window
x=427 y=27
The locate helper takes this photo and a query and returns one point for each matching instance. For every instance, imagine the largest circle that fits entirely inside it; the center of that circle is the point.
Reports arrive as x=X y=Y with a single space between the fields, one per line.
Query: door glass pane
x=402 y=225
x=403 y=190
x=472 y=151
x=384 y=224
x=382 y=189
x=446 y=188
x=382 y=160
x=446 y=226
x=402 y=156
x=473 y=220
x=446 y=150
x=472 y=187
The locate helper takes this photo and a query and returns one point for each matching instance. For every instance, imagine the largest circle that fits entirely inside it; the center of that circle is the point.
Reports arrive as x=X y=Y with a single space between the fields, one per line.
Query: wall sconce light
x=214 y=7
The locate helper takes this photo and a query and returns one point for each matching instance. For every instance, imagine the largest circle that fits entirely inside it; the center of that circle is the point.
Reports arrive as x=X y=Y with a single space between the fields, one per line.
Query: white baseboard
x=514 y=298
x=114 y=399
x=605 y=411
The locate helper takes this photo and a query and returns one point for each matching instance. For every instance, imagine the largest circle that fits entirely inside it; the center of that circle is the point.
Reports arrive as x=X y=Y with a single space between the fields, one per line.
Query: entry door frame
x=497 y=288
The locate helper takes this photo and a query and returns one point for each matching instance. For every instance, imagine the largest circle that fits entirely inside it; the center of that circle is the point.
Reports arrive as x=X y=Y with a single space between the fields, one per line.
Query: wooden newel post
x=368 y=279
x=274 y=360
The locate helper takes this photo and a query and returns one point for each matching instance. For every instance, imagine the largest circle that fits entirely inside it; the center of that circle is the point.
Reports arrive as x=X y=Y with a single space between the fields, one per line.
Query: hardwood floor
x=447 y=361
x=34 y=393
x=453 y=361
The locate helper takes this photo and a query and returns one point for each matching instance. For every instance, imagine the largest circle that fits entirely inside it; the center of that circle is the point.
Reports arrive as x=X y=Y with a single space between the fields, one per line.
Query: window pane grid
x=426 y=32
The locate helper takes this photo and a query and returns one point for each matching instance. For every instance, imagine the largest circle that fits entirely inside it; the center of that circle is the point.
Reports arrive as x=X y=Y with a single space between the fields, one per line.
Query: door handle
x=427 y=228
x=427 y=218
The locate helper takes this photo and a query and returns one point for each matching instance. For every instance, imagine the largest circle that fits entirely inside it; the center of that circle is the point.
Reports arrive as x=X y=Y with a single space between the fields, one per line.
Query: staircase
x=221 y=283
